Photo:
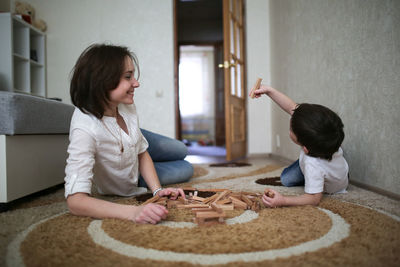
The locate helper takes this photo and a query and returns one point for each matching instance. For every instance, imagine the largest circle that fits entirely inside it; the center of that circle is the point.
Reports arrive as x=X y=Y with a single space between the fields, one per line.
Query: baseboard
x=272 y=156
x=376 y=190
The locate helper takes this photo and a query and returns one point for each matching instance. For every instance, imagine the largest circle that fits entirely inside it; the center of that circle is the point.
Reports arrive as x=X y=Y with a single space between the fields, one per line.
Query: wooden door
x=234 y=78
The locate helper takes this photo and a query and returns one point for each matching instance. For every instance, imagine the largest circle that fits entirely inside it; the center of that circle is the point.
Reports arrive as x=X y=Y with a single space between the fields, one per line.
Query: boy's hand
x=150 y=213
x=272 y=198
x=264 y=89
x=173 y=192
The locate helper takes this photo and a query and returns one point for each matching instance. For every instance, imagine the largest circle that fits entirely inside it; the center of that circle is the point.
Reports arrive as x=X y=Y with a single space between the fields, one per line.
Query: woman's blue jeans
x=168 y=156
x=292 y=175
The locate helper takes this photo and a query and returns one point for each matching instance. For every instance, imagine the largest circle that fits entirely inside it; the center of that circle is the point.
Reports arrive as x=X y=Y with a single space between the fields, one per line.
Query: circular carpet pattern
x=336 y=233
x=330 y=232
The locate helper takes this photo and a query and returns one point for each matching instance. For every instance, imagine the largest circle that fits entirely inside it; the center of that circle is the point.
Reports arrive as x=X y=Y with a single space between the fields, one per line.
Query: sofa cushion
x=27 y=114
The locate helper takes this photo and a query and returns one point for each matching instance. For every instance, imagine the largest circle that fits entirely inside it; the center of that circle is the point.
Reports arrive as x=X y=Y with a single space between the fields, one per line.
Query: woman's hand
x=273 y=199
x=173 y=192
x=150 y=213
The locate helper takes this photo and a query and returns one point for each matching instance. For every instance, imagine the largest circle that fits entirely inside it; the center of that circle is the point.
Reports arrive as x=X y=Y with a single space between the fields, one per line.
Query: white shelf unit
x=23 y=57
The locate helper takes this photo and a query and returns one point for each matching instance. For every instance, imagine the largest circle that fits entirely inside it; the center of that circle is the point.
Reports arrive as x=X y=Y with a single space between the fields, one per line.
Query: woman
x=107 y=147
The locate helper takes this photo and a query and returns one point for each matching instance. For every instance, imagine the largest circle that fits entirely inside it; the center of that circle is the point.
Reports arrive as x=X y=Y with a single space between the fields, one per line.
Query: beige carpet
x=359 y=228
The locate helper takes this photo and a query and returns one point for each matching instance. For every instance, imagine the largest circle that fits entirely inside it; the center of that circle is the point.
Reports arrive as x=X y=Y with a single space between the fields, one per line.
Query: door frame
x=178 y=126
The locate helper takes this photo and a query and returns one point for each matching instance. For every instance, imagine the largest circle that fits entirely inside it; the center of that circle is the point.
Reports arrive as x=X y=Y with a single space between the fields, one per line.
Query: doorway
x=200 y=83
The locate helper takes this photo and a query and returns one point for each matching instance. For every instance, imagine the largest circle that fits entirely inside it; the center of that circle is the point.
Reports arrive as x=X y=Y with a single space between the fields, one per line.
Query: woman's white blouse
x=95 y=154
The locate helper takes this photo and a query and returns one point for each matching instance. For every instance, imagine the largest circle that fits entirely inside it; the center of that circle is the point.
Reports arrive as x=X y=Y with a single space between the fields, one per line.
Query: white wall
x=345 y=55
x=146 y=27
x=258 y=66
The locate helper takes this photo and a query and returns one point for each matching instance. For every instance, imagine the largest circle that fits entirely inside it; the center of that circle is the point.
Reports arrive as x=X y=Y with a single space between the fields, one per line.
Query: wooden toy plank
x=172 y=203
x=189 y=189
x=216 y=207
x=255 y=206
x=201 y=209
x=182 y=200
x=210 y=199
x=269 y=193
x=201 y=199
x=222 y=195
x=152 y=200
x=247 y=200
x=211 y=190
x=209 y=214
x=238 y=203
x=227 y=207
x=252 y=194
x=224 y=201
x=162 y=202
x=255 y=87
x=191 y=206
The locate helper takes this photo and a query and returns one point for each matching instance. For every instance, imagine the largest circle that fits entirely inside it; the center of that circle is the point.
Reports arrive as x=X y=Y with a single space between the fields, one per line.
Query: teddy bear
x=23 y=8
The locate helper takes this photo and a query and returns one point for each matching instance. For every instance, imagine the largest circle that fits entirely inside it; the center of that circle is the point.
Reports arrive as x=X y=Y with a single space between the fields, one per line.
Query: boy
x=321 y=166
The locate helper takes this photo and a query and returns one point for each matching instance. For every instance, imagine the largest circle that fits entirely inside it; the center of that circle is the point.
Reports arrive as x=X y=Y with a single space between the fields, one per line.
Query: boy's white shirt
x=95 y=154
x=321 y=175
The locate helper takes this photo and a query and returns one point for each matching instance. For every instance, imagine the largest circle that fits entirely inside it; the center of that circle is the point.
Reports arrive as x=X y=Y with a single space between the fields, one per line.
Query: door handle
x=226 y=65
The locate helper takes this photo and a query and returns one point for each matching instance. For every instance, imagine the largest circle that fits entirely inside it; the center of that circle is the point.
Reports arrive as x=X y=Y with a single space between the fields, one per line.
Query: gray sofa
x=33 y=143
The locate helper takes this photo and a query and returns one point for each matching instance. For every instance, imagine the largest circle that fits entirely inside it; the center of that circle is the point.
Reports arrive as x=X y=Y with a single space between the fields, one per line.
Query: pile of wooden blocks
x=210 y=210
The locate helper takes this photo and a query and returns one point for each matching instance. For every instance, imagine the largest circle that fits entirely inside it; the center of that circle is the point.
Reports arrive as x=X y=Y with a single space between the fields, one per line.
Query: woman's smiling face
x=125 y=90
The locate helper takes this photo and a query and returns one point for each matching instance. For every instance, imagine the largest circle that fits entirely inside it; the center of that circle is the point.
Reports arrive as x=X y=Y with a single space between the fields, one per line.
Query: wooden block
x=189 y=189
x=172 y=203
x=162 y=202
x=236 y=195
x=216 y=207
x=209 y=214
x=210 y=199
x=255 y=87
x=201 y=209
x=247 y=200
x=152 y=200
x=250 y=194
x=211 y=190
x=201 y=199
x=269 y=193
x=191 y=206
x=222 y=195
x=227 y=207
x=238 y=203
x=255 y=206
x=182 y=200
x=224 y=201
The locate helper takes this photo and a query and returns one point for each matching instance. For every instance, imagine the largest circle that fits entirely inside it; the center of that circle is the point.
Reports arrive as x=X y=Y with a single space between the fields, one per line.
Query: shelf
x=22 y=75
x=19 y=57
x=23 y=54
x=37 y=80
x=36 y=64
x=20 y=39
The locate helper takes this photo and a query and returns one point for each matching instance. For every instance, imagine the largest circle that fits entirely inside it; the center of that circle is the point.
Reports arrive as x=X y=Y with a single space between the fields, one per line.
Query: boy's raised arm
x=286 y=103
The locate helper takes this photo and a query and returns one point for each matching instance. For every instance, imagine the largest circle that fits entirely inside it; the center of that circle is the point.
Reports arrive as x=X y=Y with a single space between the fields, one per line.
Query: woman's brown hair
x=98 y=71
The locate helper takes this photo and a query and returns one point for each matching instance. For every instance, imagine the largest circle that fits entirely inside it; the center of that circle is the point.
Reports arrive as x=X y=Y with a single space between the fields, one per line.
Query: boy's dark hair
x=317 y=128
x=98 y=71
